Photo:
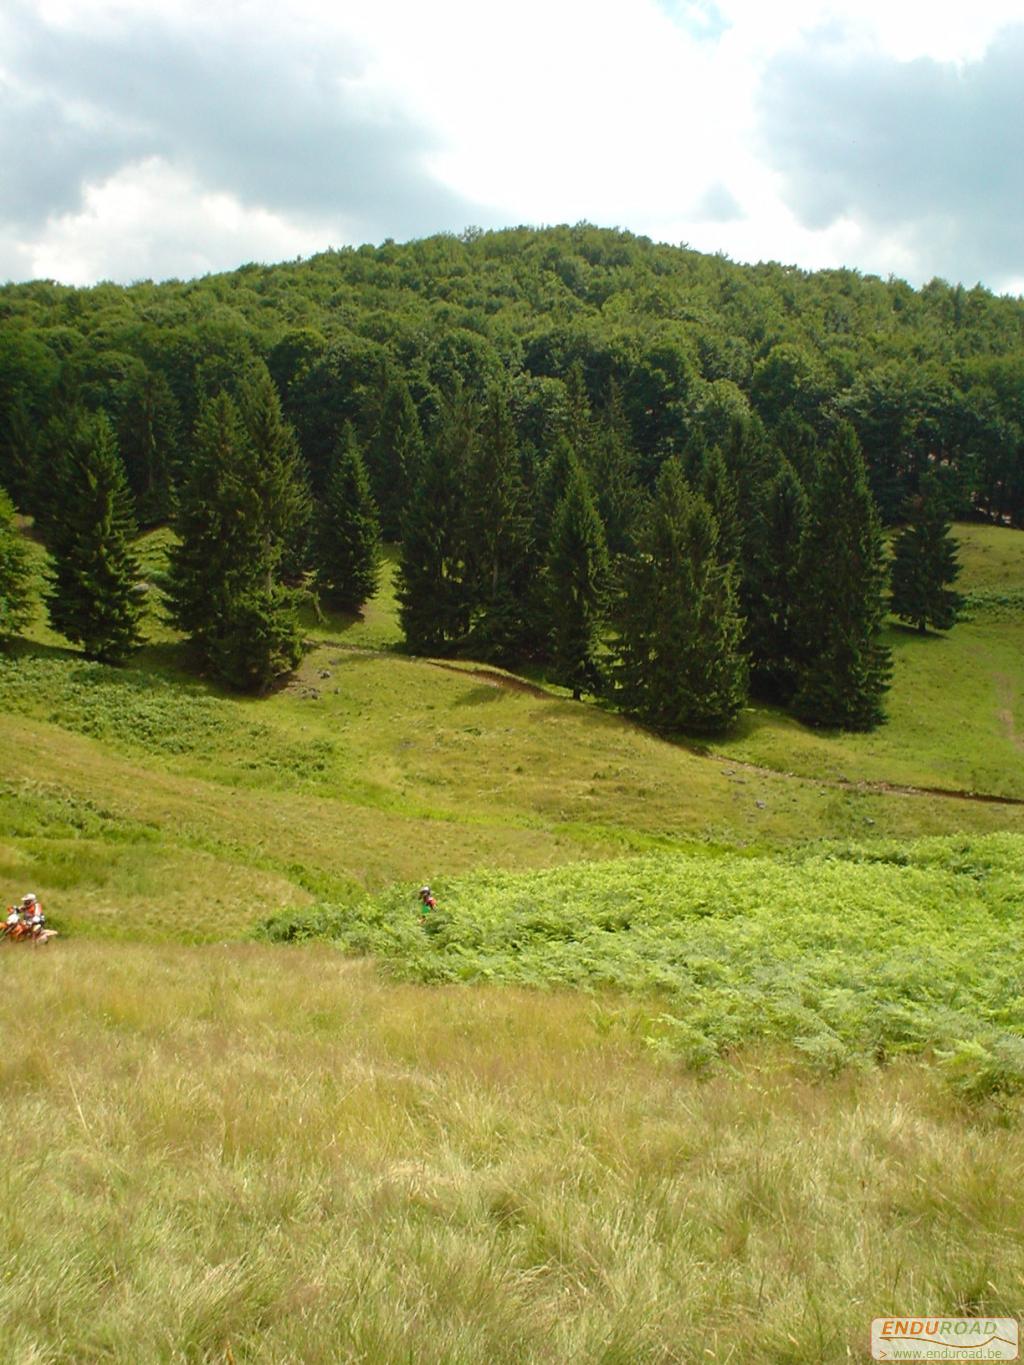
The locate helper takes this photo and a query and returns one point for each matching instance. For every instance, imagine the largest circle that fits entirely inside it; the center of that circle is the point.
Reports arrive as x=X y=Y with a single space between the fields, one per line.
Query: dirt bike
x=27 y=933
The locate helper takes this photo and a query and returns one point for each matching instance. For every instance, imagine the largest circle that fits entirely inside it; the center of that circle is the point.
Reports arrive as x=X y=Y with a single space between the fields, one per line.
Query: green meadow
x=710 y=1052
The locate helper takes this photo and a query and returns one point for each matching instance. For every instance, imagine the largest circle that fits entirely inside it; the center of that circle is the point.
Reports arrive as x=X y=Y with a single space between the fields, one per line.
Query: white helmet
x=29 y=898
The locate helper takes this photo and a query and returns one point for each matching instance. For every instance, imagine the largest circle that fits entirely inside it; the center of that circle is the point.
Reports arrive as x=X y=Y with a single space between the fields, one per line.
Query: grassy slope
x=132 y=797
x=252 y=1155
x=478 y=1174
x=956 y=709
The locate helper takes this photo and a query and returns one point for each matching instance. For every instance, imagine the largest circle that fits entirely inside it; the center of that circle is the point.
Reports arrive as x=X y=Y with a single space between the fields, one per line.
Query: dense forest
x=617 y=456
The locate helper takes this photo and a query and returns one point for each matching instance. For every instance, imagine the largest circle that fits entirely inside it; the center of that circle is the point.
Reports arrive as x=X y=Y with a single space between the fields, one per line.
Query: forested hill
x=694 y=343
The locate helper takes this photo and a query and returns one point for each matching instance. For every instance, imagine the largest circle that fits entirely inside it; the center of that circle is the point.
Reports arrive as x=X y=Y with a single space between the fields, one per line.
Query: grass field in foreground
x=249 y=1155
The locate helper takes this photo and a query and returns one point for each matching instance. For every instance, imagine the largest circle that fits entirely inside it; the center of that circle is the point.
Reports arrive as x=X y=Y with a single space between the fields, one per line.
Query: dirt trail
x=491 y=678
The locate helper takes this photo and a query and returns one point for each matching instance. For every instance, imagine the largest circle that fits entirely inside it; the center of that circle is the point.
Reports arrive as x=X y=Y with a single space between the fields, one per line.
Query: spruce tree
x=15 y=576
x=215 y=553
x=432 y=592
x=924 y=562
x=498 y=543
x=844 y=670
x=680 y=664
x=149 y=434
x=94 y=599
x=577 y=582
x=276 y=486
x=347 y=547
x=579 y=424
x=258 y=640
x=771 y=588
x=241 y=501
x=718 y=489
x=619 y=498
x=394 y=456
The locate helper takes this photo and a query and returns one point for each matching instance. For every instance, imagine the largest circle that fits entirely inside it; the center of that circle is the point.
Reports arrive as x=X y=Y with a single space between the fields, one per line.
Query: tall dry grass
x=256 y=1154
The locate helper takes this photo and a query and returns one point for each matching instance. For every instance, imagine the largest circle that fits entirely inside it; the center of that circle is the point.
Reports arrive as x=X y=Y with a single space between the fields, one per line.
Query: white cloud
x=150 y=220
x=261 y=130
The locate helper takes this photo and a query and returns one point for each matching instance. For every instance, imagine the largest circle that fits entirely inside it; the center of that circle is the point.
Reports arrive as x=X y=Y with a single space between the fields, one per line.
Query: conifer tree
x=348 y=548
x=552 y=482
x=94 y=599
x=394 y=456
x=771 y=590
x=577 y=582
x=216 y=556
x=149 y=434
x=844 y=669
x=15 y=576
x=924 y=563
x=18 y=446
x=432 y=592
x=236 y=510
x=258 y=640
x=498 y=544
x=619 y=498
x=579 y=424
x=718 y=489
x=680 y=663
x=276 y=485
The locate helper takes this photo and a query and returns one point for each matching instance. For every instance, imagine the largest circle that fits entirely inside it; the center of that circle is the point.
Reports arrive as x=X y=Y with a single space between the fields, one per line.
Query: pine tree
x=216 y=556
x=680 y=664
x=579 y=424
x=276 y=486
x=94 y=599
x=577 y=581
x=259 y=639
x=619 y=498
x=718 y=489
x=18 y=447
x=15 y=576
x=771 y=590
x=348 y=548
x=498 y=543
x=552 y=482
x=924 y=562
x=394 y=456
x=149 y=434
x=432 y=594
x=844 y=670
x=241 y=501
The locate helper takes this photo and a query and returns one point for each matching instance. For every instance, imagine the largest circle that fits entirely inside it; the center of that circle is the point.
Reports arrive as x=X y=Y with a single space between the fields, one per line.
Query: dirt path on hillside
x=508 y=682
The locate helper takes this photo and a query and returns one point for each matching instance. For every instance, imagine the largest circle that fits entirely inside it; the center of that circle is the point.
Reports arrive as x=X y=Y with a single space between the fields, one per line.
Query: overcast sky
x=156 y=138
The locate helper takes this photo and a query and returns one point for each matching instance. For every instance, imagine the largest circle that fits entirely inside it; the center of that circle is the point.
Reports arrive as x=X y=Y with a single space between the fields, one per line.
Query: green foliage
x=94 y=599
x=849 y=953
x=498 y=547
x=680 y=664
x=348 y=548
x=924 y=562
x=432 y=591
x=243 y=505
x=149 y=434
x=258 y=639
x=394 y=455
x=718 y=489
x=16 y=596
x=844 y=671
x=772 y=587
x=577 y=584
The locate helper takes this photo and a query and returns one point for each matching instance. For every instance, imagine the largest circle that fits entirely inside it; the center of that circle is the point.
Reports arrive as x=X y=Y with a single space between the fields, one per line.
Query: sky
x=150 y=139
